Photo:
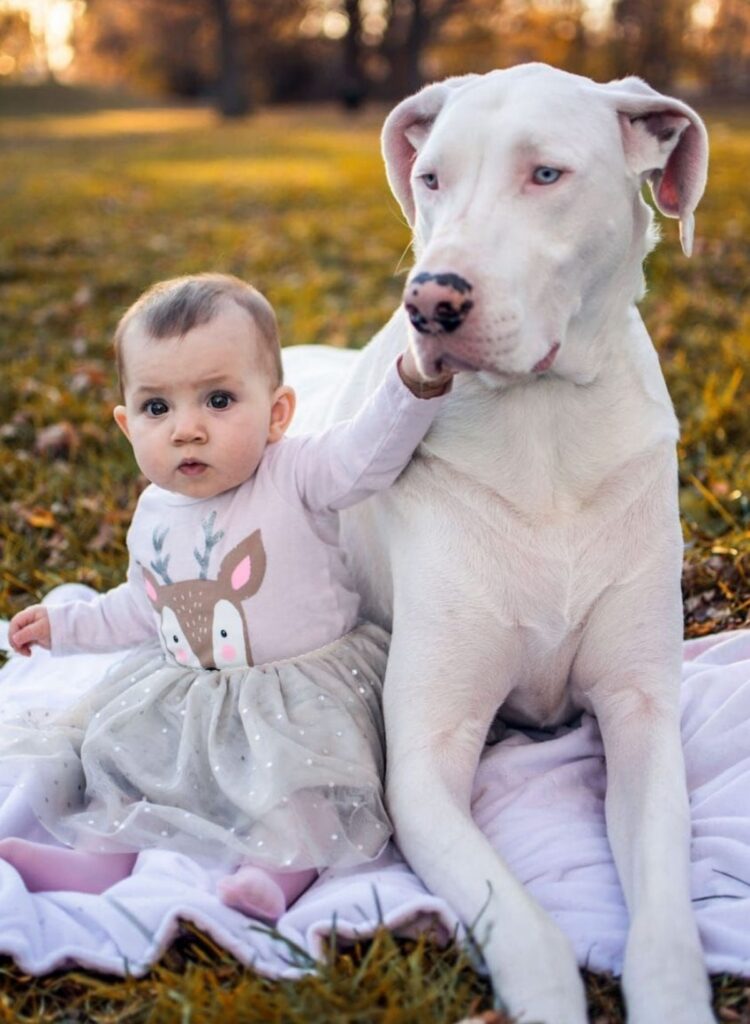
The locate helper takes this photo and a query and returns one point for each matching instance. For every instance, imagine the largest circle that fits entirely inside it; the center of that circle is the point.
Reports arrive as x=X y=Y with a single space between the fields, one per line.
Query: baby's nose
x=188 y=427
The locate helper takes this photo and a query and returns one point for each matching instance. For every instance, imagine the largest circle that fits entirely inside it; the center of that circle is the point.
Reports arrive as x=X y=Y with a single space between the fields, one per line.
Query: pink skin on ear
x=241 y=575
x=150 y=590
x=677 y=173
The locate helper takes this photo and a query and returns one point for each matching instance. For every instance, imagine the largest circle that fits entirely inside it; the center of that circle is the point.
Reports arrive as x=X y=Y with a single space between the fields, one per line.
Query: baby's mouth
x=192 y=467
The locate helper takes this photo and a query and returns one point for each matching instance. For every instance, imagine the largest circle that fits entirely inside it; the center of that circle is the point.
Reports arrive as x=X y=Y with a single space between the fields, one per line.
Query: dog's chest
x=532 y=578
x=549 y=450
x=536 y=600
x=544 y=581
x=540 y=569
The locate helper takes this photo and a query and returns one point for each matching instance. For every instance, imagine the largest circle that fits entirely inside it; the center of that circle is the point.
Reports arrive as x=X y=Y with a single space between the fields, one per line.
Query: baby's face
x=200 y=409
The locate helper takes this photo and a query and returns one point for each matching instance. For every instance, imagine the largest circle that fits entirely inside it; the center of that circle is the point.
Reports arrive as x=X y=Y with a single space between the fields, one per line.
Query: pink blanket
x=539 y=802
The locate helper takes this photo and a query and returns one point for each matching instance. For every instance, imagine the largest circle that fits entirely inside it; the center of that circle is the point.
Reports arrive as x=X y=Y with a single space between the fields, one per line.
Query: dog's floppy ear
x=665 y=143
x=404 y=132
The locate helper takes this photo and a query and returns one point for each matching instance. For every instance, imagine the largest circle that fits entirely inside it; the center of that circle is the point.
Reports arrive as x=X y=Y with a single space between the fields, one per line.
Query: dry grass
x=388 y=981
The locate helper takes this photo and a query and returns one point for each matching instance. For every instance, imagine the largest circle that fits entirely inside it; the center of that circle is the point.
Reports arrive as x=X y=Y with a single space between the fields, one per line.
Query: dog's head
x=523 y=189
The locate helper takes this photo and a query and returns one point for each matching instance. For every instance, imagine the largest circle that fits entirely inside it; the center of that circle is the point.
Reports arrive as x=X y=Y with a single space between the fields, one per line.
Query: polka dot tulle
x=281 y=764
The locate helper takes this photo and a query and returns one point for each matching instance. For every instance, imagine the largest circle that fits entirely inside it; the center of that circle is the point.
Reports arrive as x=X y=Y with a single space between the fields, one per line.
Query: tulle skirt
x=279 y=764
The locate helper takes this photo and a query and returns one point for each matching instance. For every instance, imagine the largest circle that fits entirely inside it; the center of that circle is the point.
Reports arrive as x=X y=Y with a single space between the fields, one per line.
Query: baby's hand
x=29 y=627
x=417 y=383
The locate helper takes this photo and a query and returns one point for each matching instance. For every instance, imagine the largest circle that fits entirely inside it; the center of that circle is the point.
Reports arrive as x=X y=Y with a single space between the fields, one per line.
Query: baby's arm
x=110 y=622
x=354 y=458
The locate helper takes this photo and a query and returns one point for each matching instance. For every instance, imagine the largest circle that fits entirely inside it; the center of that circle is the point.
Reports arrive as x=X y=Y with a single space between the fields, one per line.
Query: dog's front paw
x=662 y=1009
x=536 y=976
x=664 y=978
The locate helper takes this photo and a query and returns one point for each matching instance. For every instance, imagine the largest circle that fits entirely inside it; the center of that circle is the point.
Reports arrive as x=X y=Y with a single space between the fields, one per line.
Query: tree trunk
x=402 y=46
x=415 y=40
x=353 y=87
x=232 y=97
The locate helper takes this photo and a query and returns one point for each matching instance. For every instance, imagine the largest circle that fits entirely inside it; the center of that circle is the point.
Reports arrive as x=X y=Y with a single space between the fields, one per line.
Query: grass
x=94 y=206
x=388 y=981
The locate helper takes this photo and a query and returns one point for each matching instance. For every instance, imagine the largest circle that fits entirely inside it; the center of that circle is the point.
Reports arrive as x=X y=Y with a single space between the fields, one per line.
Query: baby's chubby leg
x=258 y=892
x=55 y=869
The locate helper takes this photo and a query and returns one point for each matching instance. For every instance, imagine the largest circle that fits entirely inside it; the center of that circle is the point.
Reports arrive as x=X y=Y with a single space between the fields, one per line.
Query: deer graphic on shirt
x=202 y=621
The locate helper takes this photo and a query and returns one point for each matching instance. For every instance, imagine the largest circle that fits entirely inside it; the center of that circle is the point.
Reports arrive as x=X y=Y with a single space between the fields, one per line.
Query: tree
x=729 y=46
x=232 y=93
x=219 y=48
x=18 y=52
x=411 y=26
x=354 y=86
x=649 y=39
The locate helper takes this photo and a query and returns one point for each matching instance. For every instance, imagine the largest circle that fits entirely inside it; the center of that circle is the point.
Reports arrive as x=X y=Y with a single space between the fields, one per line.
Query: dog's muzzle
x=437 y=303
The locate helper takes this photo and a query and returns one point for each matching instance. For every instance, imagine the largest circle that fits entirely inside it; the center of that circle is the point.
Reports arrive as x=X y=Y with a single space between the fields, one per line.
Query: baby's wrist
x=422 y=387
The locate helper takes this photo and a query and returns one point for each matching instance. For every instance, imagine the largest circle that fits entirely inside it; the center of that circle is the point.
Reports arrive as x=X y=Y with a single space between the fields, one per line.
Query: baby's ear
x=120 y=415
x=282 y=410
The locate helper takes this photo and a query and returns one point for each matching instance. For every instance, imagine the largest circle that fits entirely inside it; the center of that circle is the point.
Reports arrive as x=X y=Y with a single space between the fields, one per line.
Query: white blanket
x=539 y=802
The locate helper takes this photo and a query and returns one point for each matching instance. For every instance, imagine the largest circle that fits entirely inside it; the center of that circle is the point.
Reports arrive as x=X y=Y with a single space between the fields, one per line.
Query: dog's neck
x=551 y=442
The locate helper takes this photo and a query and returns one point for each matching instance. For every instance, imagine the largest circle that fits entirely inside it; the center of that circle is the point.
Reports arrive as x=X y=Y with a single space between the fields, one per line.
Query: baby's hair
x=176 y=306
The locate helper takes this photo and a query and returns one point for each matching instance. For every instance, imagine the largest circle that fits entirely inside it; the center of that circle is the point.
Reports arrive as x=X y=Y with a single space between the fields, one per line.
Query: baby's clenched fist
x=29 y=627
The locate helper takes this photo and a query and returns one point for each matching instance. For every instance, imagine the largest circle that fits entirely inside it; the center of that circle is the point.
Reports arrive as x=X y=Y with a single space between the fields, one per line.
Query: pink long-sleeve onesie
x=255 y=574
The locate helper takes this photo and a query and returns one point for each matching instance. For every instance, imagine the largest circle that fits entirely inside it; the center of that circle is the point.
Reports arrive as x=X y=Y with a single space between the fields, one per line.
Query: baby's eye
x=155 y=407
x=220 y=400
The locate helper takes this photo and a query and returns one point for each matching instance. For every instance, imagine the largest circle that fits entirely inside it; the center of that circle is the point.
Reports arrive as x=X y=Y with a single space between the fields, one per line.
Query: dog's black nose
x=437 y=303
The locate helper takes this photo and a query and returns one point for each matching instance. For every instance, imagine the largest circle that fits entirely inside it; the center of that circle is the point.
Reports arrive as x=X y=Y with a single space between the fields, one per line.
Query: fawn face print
x=174 y=636
x=202 y=621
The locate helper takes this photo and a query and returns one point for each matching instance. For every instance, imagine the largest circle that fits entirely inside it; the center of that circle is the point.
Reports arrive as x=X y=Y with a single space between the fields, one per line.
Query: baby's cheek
x=228 y=652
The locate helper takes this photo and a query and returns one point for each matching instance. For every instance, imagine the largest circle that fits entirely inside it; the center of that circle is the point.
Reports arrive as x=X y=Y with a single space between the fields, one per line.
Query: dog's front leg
x=441 y=693
x=629 y=662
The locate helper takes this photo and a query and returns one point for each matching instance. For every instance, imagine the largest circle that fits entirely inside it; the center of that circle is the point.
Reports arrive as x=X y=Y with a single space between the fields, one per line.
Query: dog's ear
x=665 y=143
x=405 y=130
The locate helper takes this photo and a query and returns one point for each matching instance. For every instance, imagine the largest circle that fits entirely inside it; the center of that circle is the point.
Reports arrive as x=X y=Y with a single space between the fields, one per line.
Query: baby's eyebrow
x=222 y=378
x=205 y=382
x=148 y=389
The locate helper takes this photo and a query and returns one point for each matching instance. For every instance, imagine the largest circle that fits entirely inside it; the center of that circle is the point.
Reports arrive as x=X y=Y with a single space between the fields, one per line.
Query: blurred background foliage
x=239 y=53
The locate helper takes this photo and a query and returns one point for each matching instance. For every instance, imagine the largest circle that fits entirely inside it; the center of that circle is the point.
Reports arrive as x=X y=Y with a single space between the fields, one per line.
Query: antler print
x=211 y=540
x=159 y=564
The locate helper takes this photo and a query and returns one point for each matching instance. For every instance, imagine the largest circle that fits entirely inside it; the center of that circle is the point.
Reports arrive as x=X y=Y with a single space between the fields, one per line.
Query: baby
x=246 y=727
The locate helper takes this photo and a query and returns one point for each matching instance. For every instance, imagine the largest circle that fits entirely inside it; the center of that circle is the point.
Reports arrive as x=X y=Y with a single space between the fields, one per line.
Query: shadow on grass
x=51 y=98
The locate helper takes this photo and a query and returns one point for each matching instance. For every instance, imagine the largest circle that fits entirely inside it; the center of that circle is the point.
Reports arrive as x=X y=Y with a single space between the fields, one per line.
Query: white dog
x=529 y=558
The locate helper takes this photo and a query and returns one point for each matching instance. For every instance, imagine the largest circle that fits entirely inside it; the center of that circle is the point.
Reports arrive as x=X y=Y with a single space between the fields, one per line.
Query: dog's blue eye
x=430 y=180
x=545 y=175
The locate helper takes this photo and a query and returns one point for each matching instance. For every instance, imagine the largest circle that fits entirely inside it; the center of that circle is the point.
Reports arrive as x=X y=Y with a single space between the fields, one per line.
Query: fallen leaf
x=86 y=376
x=38 y=517
x=488 y=1017
x=83 y=296
x=93 y=432
x=103 y=539
x=727 y=1013
x=58 y=441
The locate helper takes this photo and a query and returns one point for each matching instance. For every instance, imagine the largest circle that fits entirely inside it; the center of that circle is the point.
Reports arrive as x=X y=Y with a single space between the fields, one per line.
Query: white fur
x=529 y=557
